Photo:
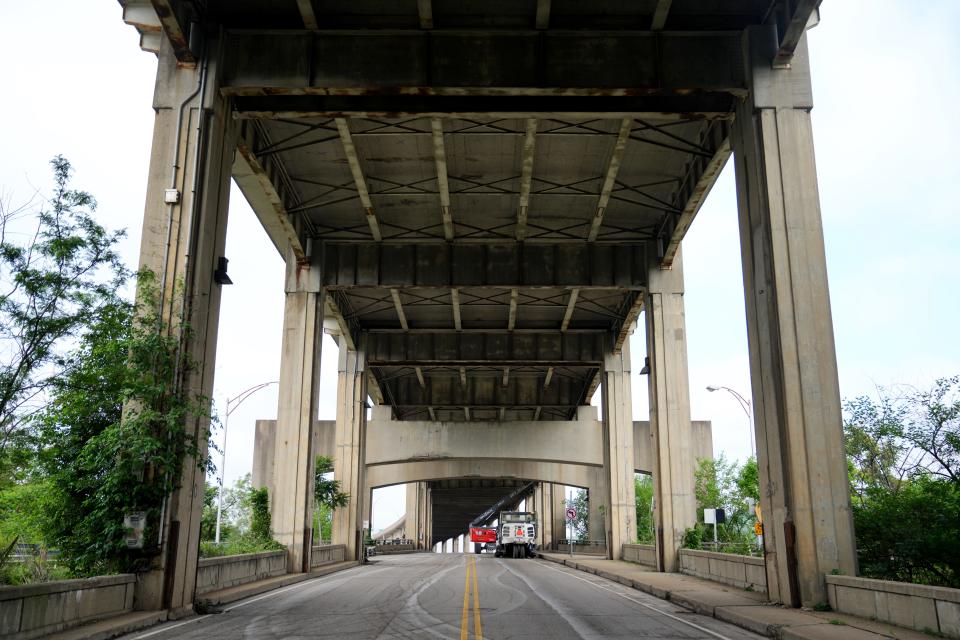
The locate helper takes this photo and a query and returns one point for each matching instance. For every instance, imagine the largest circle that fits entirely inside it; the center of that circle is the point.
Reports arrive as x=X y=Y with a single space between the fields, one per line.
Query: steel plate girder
x=483 y=391
x=370 y=62
x=496 y=265
x=510 y=349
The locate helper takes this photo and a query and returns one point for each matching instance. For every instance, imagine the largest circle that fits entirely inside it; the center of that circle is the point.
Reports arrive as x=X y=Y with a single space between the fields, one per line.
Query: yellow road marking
x=464 y=628
x=464 y=620
x=477 y=629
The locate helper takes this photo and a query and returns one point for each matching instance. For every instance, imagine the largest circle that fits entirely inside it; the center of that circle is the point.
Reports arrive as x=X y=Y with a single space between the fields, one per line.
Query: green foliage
x=903 y=453
x=57 y=280
x=25 y=510
x=260 y=514
x=581 y=502
x=117 y=431
x=721 y=484
x=643 y=489
x=327 y=498
x=237 y=545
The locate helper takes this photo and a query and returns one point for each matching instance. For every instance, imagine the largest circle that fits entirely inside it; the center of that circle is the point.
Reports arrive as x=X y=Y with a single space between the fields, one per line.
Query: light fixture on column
x=220 y=275
x=646 y=367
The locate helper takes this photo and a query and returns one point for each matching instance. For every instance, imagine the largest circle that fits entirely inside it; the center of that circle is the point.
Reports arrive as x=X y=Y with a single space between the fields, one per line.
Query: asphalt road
x=433 y=596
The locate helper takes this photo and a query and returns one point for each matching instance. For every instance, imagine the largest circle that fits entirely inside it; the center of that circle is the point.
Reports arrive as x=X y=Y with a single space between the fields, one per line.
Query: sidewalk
x=747 y=609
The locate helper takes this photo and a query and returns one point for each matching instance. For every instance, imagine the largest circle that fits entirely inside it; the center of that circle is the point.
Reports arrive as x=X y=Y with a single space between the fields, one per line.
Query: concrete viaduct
x=479 y=199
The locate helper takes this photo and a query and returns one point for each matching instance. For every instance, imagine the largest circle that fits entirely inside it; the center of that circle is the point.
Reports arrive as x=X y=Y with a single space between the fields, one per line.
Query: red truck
x=483 y=536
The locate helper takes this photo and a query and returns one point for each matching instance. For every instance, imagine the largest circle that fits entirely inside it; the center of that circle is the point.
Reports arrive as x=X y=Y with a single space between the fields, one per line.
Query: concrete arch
x=573 y=475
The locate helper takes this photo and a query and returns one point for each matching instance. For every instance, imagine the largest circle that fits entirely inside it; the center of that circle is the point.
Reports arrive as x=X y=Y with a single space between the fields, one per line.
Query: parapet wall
x=327 y=554
x=645 y=554
x=38 y=610
x=745 y=572
x=214 y=574
x=934 y=610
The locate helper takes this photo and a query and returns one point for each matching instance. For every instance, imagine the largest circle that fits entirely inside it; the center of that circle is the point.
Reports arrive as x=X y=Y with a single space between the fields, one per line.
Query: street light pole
x=747 y=409
x=236 y=401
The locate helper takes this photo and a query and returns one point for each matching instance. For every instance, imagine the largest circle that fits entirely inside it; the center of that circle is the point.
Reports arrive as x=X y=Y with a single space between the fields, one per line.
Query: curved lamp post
x=747 y=409
x=232 y=403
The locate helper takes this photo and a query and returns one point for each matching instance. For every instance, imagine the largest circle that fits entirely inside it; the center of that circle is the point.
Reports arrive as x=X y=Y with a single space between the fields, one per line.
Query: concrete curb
x=720 y=601
x=112 y=627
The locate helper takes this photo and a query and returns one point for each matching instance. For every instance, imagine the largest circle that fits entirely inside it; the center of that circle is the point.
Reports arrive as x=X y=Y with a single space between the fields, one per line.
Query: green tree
x=114 y=434
x=60 y=272
x=903 y=452
x=581 y=502
x=721 y=484
x=327 y=498
x=643 y=487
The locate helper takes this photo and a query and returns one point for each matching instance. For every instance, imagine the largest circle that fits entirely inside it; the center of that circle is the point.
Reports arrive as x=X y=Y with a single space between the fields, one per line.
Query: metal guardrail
x=385 y=541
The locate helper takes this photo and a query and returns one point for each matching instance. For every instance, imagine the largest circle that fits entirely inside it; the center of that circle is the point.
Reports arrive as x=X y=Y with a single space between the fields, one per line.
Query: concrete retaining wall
x=327 y=554
x=582 y=549
x=915 y=606
x=214 y=574
x=645 y=554
x=37 y=610
x=387 y=549
x=739 y=571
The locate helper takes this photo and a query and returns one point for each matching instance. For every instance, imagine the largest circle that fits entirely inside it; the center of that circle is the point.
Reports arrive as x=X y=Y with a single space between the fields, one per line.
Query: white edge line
x=243 y=603
x=642 y=604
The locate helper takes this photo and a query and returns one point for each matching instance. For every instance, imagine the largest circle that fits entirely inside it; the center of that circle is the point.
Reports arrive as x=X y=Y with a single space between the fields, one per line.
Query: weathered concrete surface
x=914 y=606
x=644 y=554
x=348 y=464
x=223 y=572
x=181 y=244
x=325 y=554
x=739 y=571
x=669 y=384
x=417 y=471
x=38 y=610
x=701 y=432
x=620 y=506
x=573 y=442
x=793 y=365
x=264 y=441
x=291 y=504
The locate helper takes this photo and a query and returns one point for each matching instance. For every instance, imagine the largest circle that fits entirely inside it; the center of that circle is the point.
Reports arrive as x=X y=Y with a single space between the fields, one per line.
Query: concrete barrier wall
x=728 y=568
x=37 y=610
x=582 y=549
x=327 y=554
x=915 y=606
x=214 y=574
x=387 y=549
x=645 y=554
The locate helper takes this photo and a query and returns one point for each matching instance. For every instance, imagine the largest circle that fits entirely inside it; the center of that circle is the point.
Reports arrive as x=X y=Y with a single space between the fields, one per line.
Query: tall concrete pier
x=479 y=204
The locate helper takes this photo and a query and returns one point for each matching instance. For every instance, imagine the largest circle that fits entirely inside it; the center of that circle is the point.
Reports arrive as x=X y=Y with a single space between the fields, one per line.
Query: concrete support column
x=675 y=504
x=597 y=499
x=410 y=529
x=291 y=503
x=559 y=513
x=194 y=140
x=805 y=495
x=349 y=460
x=620 y=507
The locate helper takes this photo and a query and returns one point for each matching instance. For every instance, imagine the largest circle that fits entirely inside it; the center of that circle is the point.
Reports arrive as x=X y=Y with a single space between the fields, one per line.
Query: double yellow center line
x=470 y=581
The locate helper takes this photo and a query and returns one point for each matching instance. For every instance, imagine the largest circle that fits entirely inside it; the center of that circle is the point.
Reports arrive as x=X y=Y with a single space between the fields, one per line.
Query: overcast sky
x=886 y=90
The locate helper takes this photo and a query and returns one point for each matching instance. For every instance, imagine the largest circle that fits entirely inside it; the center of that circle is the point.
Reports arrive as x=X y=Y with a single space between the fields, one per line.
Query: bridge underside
x=479 y=199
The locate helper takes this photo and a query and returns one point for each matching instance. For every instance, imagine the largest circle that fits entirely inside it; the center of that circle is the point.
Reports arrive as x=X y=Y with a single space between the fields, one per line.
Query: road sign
x=758 y=528
x=571 y=513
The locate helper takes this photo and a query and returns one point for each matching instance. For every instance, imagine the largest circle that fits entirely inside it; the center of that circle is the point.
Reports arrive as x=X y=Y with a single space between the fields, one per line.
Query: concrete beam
x=308 y=14
x=572 y=475
x=443 y=185
x=610 y=177
x=504 y=265
x=552 y=349
x=526 y=171
x=571 y=441
x=350 y=151
x=793 y=18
